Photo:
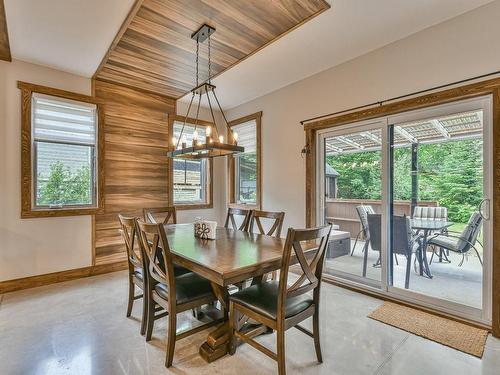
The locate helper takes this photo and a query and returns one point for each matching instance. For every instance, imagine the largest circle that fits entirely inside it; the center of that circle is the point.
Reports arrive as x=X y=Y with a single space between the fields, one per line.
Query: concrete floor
x=79 y=327
x=451 y=282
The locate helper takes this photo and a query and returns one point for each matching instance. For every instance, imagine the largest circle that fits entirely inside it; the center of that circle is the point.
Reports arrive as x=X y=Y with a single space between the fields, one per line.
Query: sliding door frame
x=474 y=90
x=357 y=127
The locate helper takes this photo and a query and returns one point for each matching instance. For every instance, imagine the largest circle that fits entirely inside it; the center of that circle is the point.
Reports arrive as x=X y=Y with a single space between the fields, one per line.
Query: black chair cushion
x=179 y=271
x=188 y=287
x=263 y=299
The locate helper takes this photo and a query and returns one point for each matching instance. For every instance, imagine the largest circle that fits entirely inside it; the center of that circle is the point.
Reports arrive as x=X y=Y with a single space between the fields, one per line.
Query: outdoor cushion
x=188 y=287
x=263 y=298
x=431 y=213
x=449 y=243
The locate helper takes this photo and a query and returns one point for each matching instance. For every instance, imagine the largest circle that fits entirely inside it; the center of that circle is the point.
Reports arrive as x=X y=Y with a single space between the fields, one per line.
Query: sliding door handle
x=481 y=209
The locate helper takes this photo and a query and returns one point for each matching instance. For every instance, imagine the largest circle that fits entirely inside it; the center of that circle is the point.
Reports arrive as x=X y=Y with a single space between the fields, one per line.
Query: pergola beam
x=333 y=148
x=403 y=133
x=372 y=137
x=440 y=128
x=349 y=142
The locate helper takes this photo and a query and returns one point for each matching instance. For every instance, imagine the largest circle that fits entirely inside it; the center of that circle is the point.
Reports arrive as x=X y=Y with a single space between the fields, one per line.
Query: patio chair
x=363 y=211
x=437 y=214
x=430 y=213
x=404 y=242
x=461 y=243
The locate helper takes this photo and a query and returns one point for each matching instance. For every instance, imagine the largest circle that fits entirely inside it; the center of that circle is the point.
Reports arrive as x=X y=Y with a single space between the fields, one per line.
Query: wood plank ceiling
x=154 y=51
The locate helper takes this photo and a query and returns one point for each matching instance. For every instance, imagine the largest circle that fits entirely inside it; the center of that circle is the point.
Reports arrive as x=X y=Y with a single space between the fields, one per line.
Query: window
x=244 y=168
x=60 y=152
x=191 y=178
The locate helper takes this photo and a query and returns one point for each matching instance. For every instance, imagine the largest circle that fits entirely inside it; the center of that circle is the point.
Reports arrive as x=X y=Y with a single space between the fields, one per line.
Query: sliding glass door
x=439 y=205
x=409 y=198
x=351 y=182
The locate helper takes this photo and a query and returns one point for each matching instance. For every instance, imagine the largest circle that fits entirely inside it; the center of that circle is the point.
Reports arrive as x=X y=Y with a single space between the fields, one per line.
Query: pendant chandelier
x=214 y=143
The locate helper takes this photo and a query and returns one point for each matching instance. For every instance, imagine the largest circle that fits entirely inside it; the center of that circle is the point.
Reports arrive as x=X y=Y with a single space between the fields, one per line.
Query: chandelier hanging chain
x=230 y=130
x=197 y=62
x=184 y=123
x=209 y=60
x=213 y=146
x=212 y=113
x=197 y=114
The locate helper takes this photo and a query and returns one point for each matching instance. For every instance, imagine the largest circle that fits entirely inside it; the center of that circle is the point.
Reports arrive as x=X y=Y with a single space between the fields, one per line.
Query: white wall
x=33 y=246
x=460 y=48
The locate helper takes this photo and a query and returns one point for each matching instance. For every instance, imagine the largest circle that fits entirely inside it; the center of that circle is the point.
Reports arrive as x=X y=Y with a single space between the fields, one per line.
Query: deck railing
x=343 y=211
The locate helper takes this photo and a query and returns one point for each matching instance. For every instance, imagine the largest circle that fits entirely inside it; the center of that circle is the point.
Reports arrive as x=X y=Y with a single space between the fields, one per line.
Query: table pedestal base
x=217 y=344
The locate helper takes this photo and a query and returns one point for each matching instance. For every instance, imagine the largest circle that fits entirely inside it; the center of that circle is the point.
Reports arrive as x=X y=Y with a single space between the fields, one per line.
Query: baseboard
x=58 y=277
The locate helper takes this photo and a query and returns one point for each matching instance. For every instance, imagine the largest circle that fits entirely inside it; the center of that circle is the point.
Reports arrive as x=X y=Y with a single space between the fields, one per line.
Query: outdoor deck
x=450 y=282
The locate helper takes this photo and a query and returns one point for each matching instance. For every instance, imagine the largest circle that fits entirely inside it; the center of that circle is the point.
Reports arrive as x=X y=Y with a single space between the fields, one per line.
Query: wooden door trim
x=478 y=89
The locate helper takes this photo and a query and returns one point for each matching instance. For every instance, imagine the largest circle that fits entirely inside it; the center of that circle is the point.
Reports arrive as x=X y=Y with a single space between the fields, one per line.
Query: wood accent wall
x=4 y=35
x=135 y=161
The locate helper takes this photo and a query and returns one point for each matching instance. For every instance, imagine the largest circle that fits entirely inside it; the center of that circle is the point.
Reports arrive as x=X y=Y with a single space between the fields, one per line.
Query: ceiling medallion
x=214 y=143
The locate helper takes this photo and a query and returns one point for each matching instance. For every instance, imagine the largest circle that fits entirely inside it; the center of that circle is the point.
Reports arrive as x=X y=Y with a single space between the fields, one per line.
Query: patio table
x=426 y=227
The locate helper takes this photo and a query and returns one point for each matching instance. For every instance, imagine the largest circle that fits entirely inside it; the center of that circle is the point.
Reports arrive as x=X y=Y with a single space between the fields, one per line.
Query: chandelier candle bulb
x=208 y=132
x=221 y=139
x=235 y=137
x=195 y=138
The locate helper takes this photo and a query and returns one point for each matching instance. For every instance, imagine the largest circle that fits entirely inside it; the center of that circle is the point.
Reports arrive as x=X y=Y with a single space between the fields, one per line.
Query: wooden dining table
x=233 y=257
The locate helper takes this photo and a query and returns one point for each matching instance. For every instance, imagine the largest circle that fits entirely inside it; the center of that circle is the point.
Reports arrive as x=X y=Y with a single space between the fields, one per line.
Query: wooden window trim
x=27 y=211
x=210 y=184
x=488 y=87
x=231 y=173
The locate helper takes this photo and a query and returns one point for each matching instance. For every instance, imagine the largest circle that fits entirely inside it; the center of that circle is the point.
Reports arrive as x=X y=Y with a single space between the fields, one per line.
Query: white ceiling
x=69 y=35
x=74 y=35
x=349 y=29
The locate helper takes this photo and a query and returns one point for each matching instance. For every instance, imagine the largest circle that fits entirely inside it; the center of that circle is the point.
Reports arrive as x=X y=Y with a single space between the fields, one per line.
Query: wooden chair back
x=164 y=215
x=310 y=278
x=276 y=218
x=129 y=231
x=231 y=212
x=154 y=246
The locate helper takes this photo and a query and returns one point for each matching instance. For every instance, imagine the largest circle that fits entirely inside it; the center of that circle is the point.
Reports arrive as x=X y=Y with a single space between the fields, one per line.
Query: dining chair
x=164 y=215
x=275 y=218
x=275 y=224
x=404 y=242
x=135 y=267
x=279 y=306
x=171 y=293
x=363 y=211
x=460 y=243
x=230 y=220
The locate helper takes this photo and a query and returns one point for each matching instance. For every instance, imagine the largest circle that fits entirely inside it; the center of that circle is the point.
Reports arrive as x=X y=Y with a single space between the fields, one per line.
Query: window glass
x=64 y=152
x=246 y=163
x=190 y=176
